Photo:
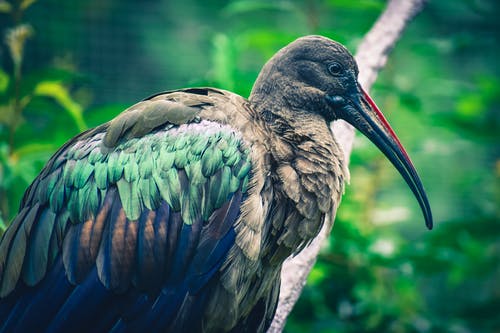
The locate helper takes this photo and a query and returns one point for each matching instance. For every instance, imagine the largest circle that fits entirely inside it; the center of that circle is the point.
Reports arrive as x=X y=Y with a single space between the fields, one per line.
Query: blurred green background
x=70 y=65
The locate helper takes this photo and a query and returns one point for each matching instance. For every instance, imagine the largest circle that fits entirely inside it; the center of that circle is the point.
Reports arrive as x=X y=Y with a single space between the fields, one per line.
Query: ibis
x=177 y=215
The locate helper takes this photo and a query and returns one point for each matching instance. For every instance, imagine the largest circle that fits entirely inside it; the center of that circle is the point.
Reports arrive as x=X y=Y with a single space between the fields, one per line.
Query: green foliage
x=381 y=271
x=24 y=97
x=62 y=97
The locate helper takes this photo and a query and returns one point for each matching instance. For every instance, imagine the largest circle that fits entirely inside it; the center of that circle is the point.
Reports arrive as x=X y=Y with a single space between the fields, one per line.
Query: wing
x=127 y=225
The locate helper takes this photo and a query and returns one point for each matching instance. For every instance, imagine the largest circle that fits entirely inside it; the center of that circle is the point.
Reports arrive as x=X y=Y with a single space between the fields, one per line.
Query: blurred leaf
x=34 y=150
x=223 y=59
x=5 y=7
x=60 y=94
x=6 y=114
x=470 y=107
x=31 y=79
x=3 y=226
x=26 y=3
x=4 y=81
x=24 y=162
x=317 y=275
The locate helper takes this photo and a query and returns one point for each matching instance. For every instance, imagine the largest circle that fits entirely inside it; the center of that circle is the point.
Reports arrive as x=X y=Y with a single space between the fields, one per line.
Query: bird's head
x=316 y=75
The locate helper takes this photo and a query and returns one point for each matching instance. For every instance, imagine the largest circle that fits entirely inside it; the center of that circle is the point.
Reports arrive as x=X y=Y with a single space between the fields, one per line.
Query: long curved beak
x=362 y=112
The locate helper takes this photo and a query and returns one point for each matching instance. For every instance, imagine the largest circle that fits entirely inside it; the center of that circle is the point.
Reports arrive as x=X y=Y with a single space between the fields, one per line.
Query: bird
x=177 y=215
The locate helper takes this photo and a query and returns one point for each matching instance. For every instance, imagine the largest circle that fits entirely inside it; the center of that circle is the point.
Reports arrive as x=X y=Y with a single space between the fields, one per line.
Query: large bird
x=178 y=214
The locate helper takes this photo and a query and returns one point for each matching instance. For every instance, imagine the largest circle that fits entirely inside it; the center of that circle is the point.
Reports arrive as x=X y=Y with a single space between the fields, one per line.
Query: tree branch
x=371 y=56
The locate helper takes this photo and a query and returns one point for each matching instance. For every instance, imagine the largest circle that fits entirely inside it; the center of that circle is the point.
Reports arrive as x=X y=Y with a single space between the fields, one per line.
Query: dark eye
x=335 y=68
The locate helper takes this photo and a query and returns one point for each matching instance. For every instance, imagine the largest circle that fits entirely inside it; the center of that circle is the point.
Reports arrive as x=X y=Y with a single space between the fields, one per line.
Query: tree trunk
x=371 y=57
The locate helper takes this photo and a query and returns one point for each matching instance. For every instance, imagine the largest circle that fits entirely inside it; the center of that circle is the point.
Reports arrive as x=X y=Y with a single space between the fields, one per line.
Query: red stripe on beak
x=385 y=123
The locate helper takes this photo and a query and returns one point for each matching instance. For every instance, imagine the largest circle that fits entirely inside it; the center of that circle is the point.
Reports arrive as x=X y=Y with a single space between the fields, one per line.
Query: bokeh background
x=70 y=65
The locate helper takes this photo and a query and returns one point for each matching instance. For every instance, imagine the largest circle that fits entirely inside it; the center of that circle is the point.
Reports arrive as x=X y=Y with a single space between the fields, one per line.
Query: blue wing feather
x=30 y=309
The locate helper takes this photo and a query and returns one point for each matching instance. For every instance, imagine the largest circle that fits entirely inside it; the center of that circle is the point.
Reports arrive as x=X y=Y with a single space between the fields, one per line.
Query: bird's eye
x=335 y=68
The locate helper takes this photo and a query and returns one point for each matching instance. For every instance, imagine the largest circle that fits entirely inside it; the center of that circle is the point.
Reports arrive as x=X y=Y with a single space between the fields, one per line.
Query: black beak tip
x=428 y=221
x=424 y=204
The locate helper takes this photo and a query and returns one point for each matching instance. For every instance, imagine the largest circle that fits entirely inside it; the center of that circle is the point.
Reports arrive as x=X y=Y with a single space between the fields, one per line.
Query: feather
x=129 y=196
x=173 y=235
x=242 y=169
x=92 y=200
x=98 y=226
x=130 y=171
x=32 y=311
x=148 y=193
x=190 y=204
x=15 y=256
x=101 y=175
x=290 y=181
x=166 y=226
x=123 y=155
x=146 y=163
x=114 y=168
x=194 y=173
x=174 y=188
x=95 y=156
x=104 y=262
x=207 y=201
x=145 y=279
x=76 y=260
x=5 y=245
x=123 y=253
x=46 y=186
x=90 y=295
x=180 y=156
x=35 y=264
x=219 y=187
x=68 y=173
x=82 y=172
x=233 y=159
x=211 y=161
x=216 y=239
x=197 y=147
x=58 y=195
x=154 y=194
x=82 y=241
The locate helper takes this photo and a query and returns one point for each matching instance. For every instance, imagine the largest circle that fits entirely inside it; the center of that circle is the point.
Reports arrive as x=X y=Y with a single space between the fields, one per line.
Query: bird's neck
x=307 y=171
x=293 y=126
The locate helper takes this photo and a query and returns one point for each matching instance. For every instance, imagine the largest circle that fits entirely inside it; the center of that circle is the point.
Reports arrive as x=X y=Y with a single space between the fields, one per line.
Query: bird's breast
x=307 y=179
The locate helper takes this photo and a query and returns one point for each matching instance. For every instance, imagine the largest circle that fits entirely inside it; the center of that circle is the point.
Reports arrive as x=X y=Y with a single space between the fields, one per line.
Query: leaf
x=26 y=3
x=6 y=114
x=61 y=95
x=5 y=7
x=223 y=58
x=35 y=149
x=4 y=80
x=27 y=161
x=3 y=226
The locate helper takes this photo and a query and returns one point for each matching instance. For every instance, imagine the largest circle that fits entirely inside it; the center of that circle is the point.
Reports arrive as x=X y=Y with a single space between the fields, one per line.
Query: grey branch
x=371 y=56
